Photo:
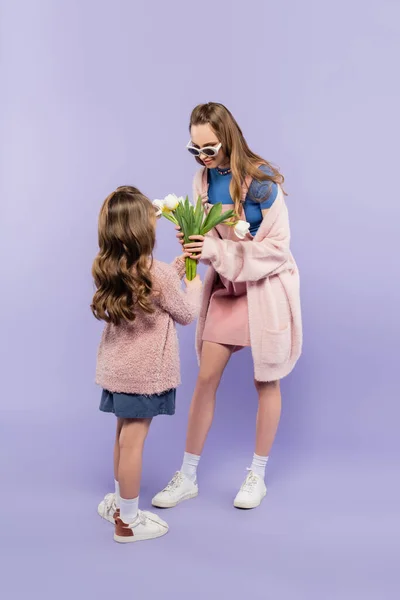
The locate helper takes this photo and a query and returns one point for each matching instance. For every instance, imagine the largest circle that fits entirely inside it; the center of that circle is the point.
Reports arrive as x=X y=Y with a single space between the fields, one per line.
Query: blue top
x=218 y=191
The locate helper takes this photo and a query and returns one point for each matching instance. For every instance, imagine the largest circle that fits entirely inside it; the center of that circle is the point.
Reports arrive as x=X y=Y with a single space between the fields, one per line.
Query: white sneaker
x=251 y=493
x=107 y=508
x=179 y=488
x=146 y=526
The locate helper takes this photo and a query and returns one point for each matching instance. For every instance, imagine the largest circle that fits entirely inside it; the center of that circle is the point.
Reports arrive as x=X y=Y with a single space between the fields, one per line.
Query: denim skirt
x=138 y=406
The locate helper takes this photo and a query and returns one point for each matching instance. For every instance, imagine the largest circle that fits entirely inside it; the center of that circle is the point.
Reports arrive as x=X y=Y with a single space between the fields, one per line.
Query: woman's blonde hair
x=243 y=162
x=121 y=269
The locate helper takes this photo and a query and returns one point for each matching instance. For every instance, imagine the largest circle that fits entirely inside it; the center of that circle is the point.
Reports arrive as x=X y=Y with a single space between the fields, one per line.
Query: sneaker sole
x=134 y=538
x=247 y=506
x=172 y=504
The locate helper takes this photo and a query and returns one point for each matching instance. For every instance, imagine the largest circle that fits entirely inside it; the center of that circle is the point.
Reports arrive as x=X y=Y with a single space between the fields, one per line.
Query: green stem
x=191 y=268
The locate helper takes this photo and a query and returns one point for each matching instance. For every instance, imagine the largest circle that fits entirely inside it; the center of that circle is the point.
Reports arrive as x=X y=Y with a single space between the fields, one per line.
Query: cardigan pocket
x=276 y=345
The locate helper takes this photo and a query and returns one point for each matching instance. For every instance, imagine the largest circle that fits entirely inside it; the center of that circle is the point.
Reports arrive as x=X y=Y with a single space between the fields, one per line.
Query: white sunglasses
x=207 y=150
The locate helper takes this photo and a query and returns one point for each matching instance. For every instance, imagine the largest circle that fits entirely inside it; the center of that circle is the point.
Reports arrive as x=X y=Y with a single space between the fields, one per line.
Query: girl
x=138 y=362
x=251 y=294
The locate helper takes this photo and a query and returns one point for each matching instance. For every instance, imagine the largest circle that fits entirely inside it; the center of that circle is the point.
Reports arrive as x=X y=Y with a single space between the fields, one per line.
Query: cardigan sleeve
x=197 y=187
x=250 y=261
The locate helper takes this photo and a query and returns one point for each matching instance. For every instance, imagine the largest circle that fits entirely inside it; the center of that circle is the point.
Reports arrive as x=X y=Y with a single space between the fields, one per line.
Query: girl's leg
x=214 y=358
x=131 y=442
x=130 y=525
x=116 y=461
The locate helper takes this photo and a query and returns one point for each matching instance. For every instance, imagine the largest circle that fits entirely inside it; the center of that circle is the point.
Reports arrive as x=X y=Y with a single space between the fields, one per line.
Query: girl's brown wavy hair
x=243 y=161
x=121 y=270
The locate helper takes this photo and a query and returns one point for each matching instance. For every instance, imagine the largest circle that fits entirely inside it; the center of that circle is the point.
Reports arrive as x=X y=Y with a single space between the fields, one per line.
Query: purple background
x=98 y=94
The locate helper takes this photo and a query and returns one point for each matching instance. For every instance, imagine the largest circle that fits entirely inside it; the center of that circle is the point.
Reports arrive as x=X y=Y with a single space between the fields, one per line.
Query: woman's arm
x=250 y=261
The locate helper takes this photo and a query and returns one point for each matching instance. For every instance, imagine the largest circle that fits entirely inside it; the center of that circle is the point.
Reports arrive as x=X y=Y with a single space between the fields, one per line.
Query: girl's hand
x=195 y=247
x=195 y=281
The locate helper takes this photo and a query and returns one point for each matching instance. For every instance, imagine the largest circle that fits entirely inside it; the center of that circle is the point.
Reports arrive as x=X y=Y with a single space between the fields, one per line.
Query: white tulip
x=171 y=201
x=241 y=229
x=159 y=205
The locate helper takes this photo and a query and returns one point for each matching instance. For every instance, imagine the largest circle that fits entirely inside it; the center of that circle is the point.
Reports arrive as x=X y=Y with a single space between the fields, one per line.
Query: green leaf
x=179 y=219
x=178 y=209
x=213 y=215
x=192 y=221
x=185 y=211
x=208 y=217
x=170 y=218
x=230 y=214
x=198 y=210
x=198 y=216
x=189 y=216
x=187 y=204
x=217 y=209
x=215 y=220
x=185 y=230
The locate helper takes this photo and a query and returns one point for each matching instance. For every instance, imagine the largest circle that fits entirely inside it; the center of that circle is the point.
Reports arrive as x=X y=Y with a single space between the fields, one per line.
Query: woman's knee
x=214 y=359
x=208 y=379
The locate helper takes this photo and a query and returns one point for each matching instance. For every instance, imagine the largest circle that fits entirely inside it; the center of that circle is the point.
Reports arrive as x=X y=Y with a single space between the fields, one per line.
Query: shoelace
x=109 y=503
x=174 y=483
x=249 y=483
x=142 y=517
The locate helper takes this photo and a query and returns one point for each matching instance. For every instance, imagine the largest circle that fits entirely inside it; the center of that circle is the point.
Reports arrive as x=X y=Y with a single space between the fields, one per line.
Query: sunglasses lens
x=194 y=151
x=209 y=151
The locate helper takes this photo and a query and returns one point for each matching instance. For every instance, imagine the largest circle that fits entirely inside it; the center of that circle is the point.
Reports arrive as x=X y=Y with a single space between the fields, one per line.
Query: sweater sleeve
x=250 y=261
x=182 y=305
x=179 y=265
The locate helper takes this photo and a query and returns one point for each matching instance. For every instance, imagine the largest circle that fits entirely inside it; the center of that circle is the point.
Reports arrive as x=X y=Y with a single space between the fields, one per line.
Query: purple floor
x=318 y=534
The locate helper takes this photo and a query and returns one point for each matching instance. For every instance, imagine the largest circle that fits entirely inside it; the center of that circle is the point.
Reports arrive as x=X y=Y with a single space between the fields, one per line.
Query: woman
x=251 y=294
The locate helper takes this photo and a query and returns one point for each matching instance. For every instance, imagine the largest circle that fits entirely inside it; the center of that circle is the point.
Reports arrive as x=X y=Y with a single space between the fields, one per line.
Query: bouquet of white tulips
x=193 y=220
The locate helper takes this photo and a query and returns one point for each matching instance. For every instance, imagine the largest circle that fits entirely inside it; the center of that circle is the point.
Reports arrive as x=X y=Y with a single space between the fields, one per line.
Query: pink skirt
x=227 y=320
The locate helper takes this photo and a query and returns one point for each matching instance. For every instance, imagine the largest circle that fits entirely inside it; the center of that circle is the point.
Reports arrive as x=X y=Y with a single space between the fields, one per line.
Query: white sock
x=189 y=465
x=129 y=509
x=117 y=494
x=258 y=465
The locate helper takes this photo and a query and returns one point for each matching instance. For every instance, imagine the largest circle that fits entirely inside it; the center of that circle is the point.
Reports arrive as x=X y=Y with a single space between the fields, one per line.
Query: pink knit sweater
x=143 y=357
x=273 y=287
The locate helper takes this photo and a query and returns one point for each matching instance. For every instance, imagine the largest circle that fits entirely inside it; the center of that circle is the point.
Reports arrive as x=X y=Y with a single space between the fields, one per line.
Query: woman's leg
x=253 y=489
x=214 y=358
x=268 y=415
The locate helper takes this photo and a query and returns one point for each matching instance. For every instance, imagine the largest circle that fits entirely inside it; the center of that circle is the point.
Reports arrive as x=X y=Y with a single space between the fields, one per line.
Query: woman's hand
x=179 y=235
x=195 y=247
x=192 y=249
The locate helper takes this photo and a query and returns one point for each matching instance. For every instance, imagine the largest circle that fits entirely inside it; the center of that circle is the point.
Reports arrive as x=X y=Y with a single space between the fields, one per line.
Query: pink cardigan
x=273 y=288
x=143 y=357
